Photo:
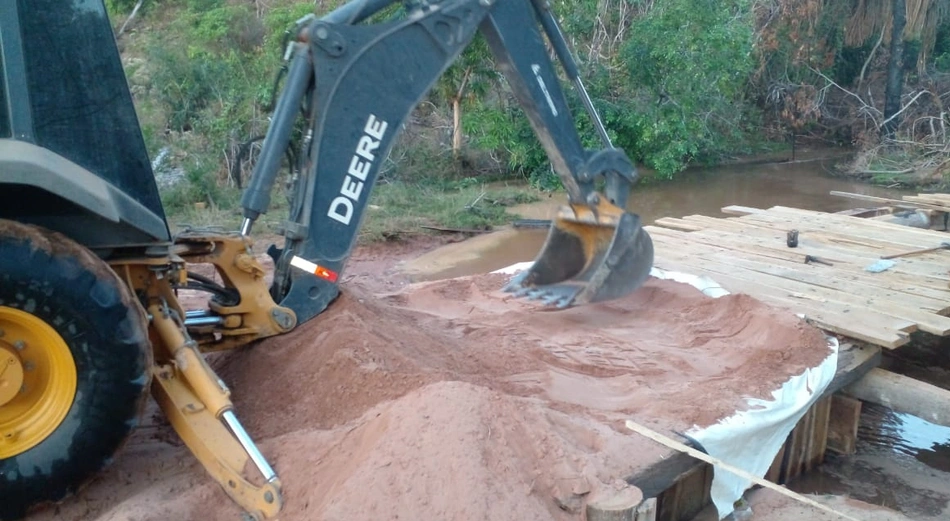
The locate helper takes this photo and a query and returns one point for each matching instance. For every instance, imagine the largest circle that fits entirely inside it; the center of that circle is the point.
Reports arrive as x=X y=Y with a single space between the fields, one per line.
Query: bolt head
x=19 y=345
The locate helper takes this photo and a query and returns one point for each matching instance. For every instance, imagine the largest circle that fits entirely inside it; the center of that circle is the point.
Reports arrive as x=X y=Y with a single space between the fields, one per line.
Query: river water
x=902 y=462
x=803 y=183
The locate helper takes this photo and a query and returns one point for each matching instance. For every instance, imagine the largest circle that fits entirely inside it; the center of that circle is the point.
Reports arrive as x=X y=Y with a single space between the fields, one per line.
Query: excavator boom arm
x=356 y=84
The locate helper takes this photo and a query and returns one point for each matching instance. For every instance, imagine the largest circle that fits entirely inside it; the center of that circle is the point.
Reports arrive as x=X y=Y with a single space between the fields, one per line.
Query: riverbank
x=430 y=205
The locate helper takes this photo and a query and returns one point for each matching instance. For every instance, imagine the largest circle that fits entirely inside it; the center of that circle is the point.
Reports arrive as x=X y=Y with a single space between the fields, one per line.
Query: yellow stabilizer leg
x=199 y=408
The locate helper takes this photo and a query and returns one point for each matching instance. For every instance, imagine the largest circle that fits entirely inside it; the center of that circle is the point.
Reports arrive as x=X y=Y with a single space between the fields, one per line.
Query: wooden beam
x=854 y=362
x=903 y=394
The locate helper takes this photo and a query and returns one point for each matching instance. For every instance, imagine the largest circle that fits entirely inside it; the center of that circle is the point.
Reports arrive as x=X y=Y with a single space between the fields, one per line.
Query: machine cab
x=72 y=155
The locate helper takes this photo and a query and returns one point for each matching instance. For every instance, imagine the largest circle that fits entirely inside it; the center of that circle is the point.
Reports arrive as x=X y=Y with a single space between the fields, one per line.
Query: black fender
x=38 y=186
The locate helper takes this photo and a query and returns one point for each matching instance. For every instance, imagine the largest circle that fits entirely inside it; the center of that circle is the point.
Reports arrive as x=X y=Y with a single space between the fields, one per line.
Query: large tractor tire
x=75 y=366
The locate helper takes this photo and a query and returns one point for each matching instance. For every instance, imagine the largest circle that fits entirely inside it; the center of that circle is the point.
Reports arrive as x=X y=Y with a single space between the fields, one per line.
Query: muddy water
x=804 y=183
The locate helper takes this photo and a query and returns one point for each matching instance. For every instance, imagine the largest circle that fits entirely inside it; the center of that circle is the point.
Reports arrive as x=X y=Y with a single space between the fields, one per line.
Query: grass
x=397 y=209
x=400 y=208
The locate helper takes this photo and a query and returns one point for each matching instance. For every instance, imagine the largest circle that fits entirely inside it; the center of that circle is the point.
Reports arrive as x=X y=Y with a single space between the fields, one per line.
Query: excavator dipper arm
x=356 y=84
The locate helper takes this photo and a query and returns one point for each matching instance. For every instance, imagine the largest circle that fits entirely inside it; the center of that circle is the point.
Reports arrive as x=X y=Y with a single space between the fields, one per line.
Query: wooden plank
x=853 y=222
x=892 y=280
x=883 y=200
x=824 y=276
x=914 y=274
x=872 y=243
x=663 y=474
x=903 y=394
x=774 y=474
x=843 y=425
x=827 y=234
x=935 y=199
x=820 y=438
x=857 y=223
x=726 y=265
x=840 y=318
x=795 y=449
x=676 y=224
x=736 y=209
x=887 y=241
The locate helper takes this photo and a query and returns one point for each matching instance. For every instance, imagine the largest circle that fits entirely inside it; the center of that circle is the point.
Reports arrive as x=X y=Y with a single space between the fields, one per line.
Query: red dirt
x=452 y=400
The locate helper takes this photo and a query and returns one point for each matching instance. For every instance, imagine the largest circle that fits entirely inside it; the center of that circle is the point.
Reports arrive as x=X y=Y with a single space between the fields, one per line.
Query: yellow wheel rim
x=40 y=369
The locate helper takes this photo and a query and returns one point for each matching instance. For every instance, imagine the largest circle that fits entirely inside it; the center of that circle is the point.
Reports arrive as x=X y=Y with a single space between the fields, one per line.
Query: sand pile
x=452 y=400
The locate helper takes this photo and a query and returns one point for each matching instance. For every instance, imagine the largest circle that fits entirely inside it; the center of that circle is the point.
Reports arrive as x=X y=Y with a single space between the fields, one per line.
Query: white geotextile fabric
x=749 y=439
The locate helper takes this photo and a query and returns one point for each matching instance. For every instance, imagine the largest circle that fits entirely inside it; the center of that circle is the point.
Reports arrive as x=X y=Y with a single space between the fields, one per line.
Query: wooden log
x=843 y=424
x=647 y=510
x=618 y=505
x=903 y=394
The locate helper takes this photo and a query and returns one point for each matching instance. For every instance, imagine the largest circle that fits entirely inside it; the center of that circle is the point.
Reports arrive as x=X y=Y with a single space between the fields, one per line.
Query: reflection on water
x=804 y=184
x=926 y=442
x=902 y=462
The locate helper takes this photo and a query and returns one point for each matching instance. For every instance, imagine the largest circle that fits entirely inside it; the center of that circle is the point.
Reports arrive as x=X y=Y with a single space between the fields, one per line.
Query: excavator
x=91 y=324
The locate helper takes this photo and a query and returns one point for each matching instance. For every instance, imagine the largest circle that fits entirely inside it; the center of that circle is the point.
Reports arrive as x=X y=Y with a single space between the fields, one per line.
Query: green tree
x=688 y=63
x=465 y=82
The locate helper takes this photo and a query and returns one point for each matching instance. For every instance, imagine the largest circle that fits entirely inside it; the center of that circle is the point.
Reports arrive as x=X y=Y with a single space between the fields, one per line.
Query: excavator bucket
x=591 y=254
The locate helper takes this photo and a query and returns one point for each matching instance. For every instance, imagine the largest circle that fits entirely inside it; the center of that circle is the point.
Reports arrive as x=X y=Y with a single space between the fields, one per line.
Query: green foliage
x=117 y=7
x=505 y=129
x=676 y=82
x=941 y=52
x=688 y=61
x=400 y=207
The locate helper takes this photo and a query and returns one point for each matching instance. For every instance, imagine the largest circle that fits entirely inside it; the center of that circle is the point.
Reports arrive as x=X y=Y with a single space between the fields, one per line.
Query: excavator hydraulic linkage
x=355 y=85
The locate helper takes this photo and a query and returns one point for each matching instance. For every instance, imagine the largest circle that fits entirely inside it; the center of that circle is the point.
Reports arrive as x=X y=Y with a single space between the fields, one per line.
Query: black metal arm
x=359 y=83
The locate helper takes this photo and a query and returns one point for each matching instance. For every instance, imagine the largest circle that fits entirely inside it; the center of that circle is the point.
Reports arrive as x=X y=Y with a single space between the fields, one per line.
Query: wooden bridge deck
x=746 y=252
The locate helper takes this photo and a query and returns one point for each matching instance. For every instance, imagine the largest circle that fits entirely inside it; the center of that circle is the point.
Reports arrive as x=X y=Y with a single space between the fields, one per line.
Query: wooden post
x=843 y=424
